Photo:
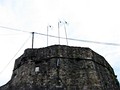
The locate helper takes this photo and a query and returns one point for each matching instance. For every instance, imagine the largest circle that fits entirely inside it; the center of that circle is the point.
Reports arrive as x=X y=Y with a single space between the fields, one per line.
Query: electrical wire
x=96 y=42
x=15 y=55
x=4 y=35
x=13 y=29
x=87 y=41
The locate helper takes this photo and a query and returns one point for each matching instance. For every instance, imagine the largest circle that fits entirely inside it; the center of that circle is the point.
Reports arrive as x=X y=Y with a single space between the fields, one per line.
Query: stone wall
x=62 y=68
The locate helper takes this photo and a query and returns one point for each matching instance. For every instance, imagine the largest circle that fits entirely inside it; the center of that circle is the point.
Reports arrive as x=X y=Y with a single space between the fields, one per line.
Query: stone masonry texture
x=61 y=67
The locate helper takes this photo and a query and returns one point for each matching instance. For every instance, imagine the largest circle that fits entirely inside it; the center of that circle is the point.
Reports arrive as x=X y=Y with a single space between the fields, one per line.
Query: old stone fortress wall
x=61 y=67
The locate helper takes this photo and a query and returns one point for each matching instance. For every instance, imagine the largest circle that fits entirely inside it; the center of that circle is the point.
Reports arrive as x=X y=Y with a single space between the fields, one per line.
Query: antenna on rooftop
x=59 y=32
x=64 y=23
x=49 y=26
x=65 y=31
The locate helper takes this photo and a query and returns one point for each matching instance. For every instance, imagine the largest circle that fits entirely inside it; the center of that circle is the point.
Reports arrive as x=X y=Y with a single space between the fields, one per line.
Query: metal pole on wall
x=58 y=67
x=33 y=39
x=47 y=35
x=59 y=32
x=49 y=26
x=65 y=31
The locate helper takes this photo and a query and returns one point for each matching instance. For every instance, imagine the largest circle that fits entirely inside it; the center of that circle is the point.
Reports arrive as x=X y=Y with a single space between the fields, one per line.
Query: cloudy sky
x=91 y=20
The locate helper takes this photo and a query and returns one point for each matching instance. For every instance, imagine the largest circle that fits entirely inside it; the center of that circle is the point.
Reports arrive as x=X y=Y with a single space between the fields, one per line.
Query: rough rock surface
x=61 y=67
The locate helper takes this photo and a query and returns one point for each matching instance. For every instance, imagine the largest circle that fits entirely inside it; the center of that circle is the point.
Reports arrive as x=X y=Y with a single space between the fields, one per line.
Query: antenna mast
x=49 y=26
x=59 y=32
x=65 y=31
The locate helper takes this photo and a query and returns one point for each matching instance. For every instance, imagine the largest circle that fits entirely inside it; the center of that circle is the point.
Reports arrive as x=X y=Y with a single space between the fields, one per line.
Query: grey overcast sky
x=94 y=20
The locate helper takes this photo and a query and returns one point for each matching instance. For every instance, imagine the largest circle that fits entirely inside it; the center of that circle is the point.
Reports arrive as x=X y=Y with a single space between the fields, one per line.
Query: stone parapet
x=61 y=67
